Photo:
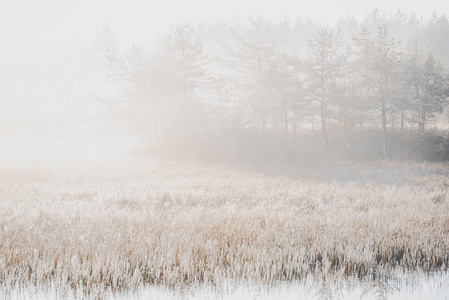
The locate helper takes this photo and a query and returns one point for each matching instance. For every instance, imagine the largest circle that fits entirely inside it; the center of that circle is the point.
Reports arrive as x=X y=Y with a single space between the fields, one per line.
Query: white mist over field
x=52 y=60
x=224 y=149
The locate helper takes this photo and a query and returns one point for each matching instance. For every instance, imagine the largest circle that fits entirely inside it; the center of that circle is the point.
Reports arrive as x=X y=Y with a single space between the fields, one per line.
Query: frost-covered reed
x=117 y=228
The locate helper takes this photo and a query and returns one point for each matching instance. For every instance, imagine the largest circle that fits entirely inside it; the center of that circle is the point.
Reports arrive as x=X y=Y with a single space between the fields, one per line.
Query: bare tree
x=252 y=59
x=378 y=55
x=323 y=70
x=157 y=96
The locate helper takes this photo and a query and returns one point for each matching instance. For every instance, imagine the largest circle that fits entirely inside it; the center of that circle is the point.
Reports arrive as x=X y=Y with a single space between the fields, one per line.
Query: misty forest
x=266 y=160
x=265 y=84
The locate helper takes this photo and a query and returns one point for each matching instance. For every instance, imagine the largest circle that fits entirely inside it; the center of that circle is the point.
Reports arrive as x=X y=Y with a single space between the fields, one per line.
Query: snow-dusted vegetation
x=118 y=228
x=224 y=149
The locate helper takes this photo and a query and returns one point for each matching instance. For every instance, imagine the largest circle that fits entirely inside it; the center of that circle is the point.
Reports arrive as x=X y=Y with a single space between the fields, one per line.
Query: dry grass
x=121 y=226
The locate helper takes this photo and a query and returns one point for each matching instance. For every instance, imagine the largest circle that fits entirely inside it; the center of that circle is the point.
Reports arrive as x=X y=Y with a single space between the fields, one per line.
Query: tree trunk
x=402 y=120
x=422 y=123
x=286 y=120
x=324 y=125
x=142 y=141
x=384 y=129
x=323 y=111
x=294 y=123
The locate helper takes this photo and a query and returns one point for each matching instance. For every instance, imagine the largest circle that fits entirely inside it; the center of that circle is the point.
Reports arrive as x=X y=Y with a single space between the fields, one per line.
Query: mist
x=202 y=149
x=58 y=87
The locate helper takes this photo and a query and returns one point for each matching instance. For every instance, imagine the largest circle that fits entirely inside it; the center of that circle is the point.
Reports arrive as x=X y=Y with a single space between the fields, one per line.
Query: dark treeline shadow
x=305 y=156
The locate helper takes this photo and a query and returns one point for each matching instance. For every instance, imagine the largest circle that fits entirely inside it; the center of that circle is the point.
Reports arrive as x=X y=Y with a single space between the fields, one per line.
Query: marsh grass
x=115 y=228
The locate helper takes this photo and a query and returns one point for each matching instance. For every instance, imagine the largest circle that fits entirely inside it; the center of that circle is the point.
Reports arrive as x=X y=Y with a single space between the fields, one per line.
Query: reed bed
x=117 y=227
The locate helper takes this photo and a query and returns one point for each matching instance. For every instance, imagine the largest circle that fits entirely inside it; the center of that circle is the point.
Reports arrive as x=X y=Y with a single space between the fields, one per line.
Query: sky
x=137 y=20
x=41 y=78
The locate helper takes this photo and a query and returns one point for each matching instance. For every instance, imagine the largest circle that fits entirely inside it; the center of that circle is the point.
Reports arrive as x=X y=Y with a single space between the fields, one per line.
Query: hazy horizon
x=52 y=65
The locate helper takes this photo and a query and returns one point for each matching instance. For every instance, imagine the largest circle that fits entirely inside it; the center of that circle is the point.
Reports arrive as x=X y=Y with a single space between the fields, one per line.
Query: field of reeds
x=117 y=227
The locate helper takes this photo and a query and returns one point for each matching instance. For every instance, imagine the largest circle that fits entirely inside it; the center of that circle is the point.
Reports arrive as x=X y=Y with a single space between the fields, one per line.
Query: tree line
x=371 y=75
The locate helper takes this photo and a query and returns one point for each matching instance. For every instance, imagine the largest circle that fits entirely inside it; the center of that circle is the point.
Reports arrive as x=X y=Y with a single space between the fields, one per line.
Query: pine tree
x=378 y=56
x=323 y=71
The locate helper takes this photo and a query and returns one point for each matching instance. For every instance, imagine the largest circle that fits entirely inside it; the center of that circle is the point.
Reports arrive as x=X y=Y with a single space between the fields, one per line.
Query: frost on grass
x=116 y=228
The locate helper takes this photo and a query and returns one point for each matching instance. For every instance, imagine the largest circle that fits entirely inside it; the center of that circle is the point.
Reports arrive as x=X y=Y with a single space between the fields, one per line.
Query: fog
x=56 y=86
x=226 y=149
